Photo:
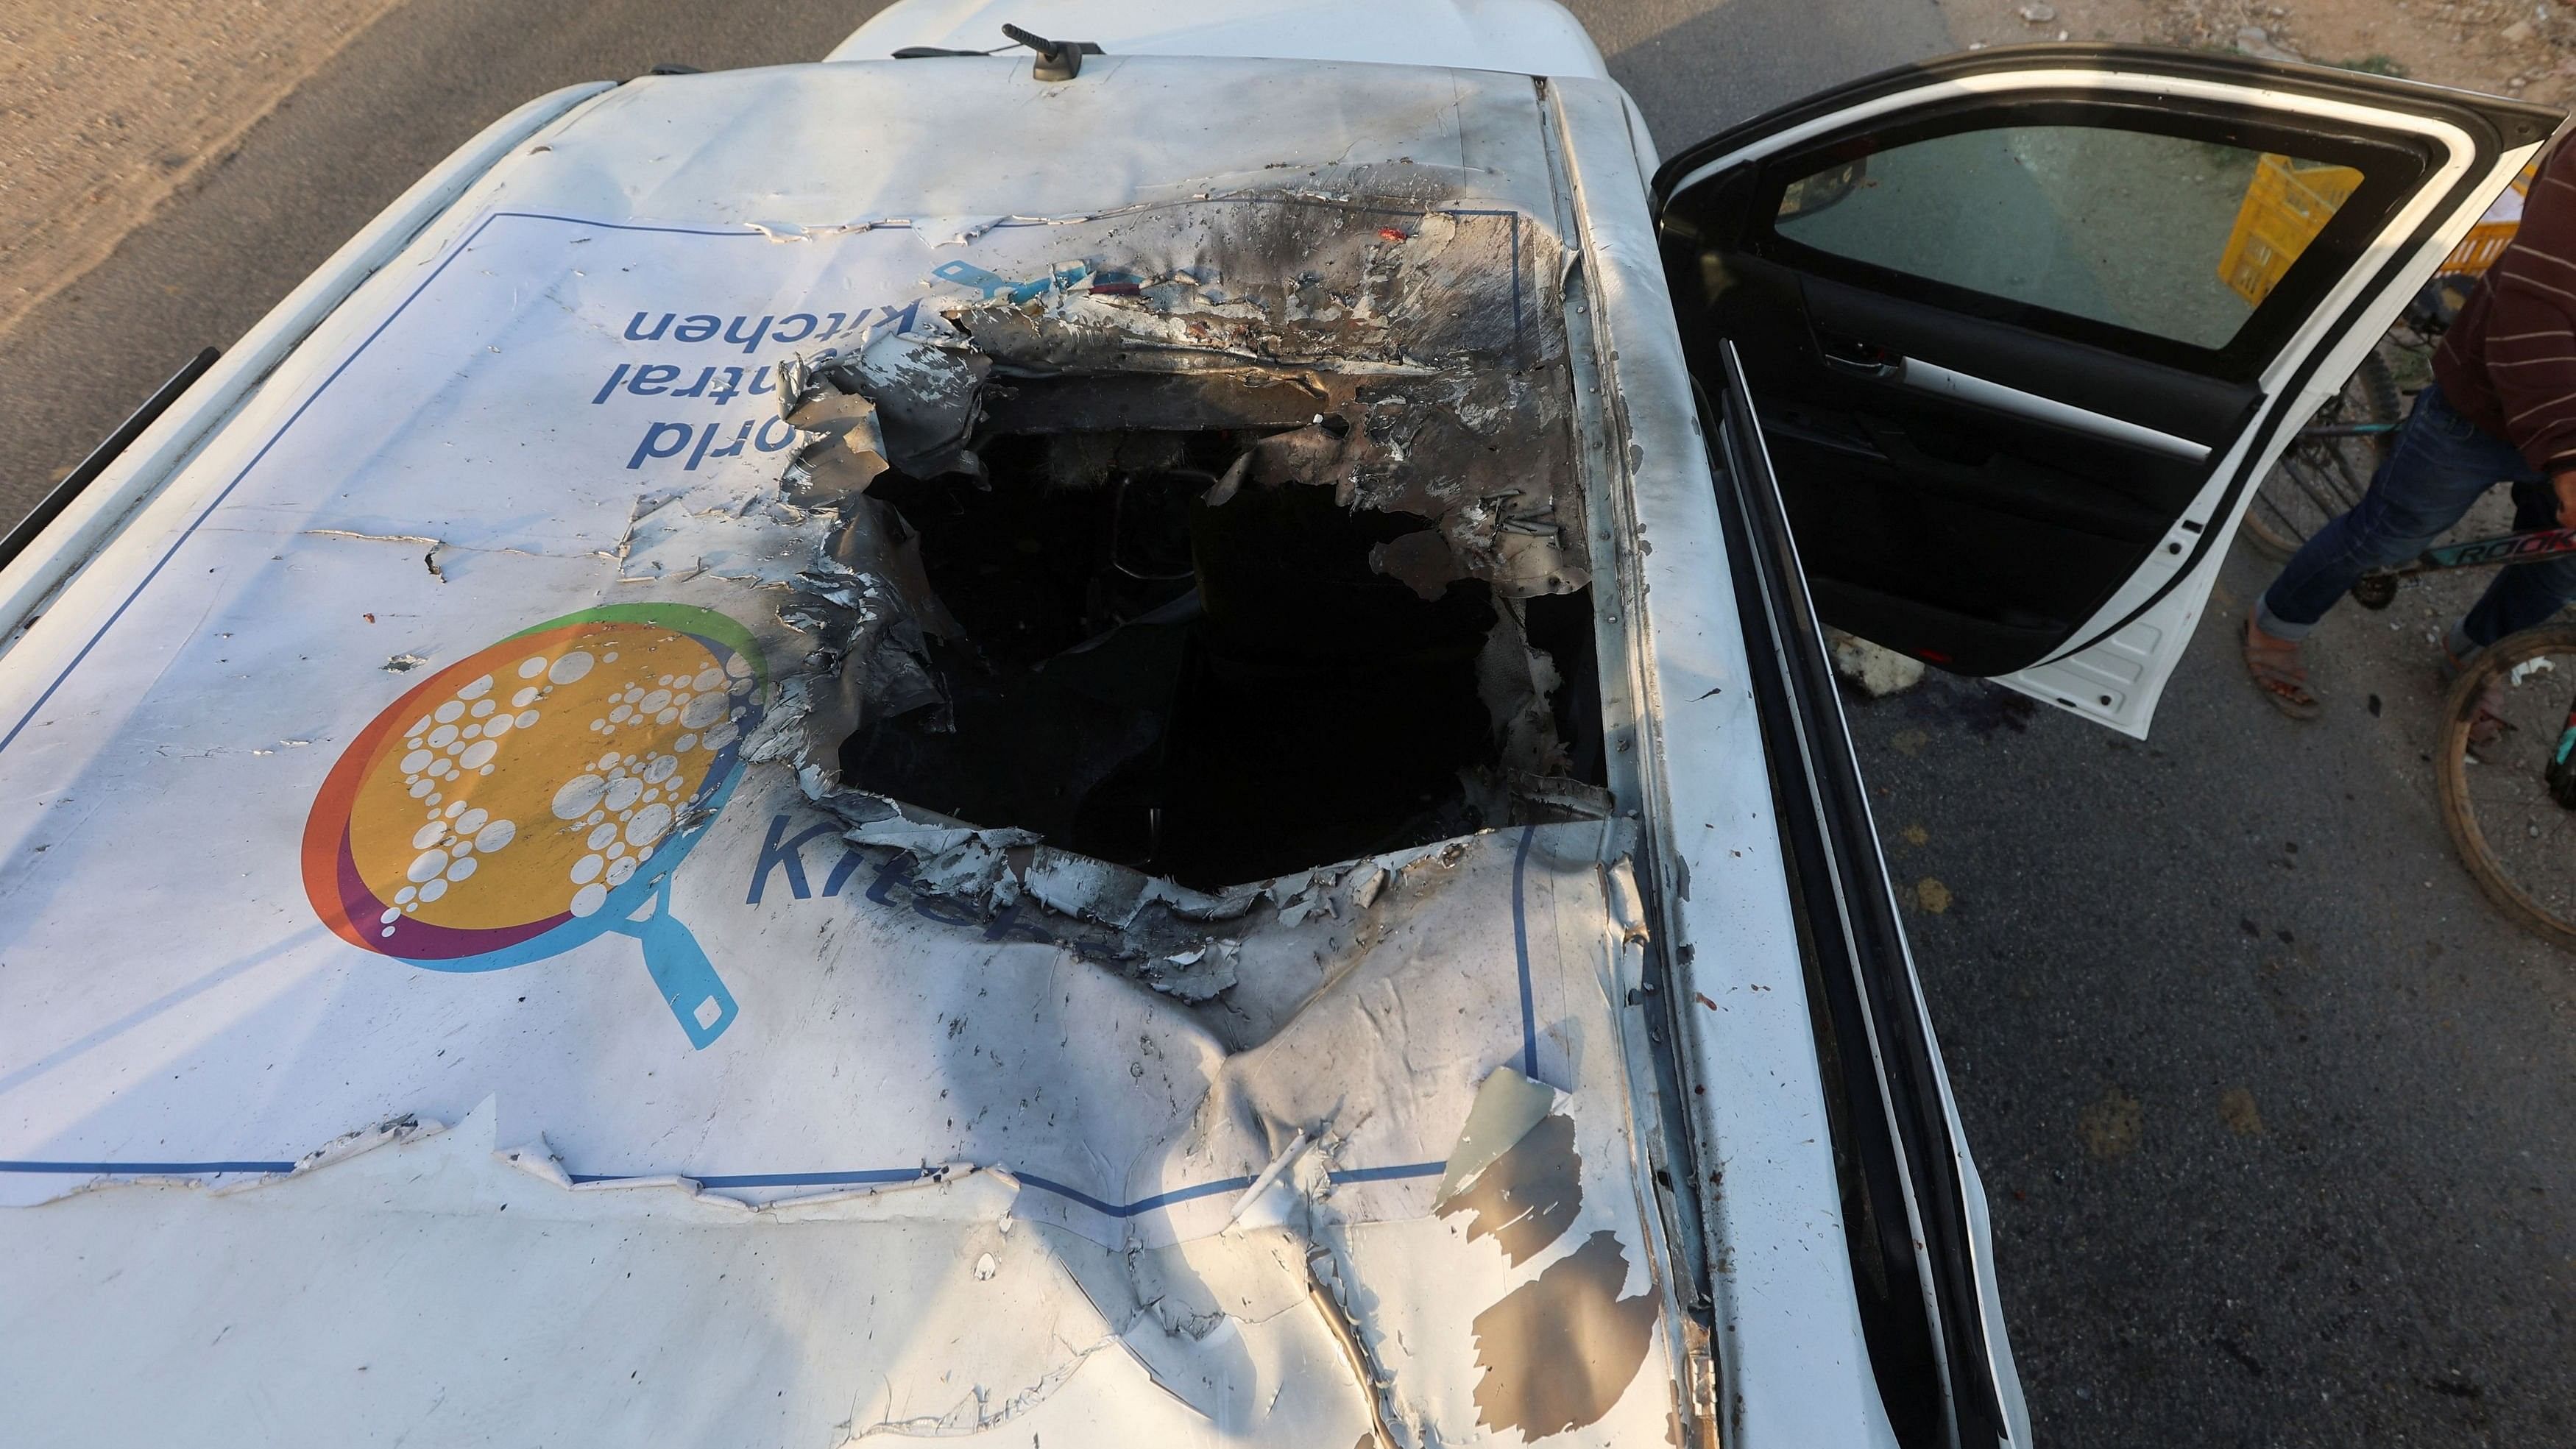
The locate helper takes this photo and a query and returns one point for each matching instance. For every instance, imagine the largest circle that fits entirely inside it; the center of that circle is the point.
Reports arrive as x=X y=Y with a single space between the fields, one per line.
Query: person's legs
x=2523 y=594
x=2441 y=463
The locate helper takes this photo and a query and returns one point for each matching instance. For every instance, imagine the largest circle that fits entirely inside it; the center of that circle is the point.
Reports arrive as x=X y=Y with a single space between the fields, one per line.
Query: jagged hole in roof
x=1210 y=692
x=1218 y=580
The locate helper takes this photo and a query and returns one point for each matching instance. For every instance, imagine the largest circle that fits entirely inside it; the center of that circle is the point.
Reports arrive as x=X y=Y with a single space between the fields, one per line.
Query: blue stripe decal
x=148 y=1169
x=862 y=1178
x=1520 y=953
x=1141 y=1205
x=1388 y=1174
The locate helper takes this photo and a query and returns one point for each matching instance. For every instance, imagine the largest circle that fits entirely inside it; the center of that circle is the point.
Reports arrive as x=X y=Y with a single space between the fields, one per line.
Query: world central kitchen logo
x=538 y=794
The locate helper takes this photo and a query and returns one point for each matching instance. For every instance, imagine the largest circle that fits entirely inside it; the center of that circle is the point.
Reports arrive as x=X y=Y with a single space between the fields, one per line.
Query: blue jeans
x=2441 y=464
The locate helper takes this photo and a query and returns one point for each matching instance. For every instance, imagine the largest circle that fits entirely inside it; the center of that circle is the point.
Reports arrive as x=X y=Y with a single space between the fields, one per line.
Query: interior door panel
x=2168 y=399
x=2019 y=327
x=1970 y=536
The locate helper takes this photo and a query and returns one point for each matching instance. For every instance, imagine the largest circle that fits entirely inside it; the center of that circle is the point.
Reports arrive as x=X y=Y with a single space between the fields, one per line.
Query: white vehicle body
x=1526 y=37
x=731 y=1100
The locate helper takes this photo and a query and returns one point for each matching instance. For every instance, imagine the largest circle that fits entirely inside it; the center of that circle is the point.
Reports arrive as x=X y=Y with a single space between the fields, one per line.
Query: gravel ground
x=115 y=105
x=2523 y=48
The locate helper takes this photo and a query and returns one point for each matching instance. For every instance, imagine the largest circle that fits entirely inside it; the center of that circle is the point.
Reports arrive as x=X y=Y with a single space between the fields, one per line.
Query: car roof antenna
x=1057 y=60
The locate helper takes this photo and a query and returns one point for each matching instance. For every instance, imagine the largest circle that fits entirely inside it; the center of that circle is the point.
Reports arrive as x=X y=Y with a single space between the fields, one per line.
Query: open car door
x=2025 y=327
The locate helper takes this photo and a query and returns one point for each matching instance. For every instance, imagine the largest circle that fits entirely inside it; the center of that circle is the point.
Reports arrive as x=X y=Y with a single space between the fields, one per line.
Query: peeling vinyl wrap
x=945 y=1176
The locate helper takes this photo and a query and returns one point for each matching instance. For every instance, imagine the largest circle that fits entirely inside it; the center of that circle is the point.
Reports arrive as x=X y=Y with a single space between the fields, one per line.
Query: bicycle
x=2330 y=461
x=2508 y=791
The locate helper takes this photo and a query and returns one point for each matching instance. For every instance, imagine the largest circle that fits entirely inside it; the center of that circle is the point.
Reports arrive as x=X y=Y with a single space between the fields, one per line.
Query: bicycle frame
x=2561 y=779
x=2377 y=589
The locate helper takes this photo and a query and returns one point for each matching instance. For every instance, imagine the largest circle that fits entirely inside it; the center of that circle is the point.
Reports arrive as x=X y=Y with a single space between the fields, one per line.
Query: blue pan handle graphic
x=682 y=972
x=993 y=284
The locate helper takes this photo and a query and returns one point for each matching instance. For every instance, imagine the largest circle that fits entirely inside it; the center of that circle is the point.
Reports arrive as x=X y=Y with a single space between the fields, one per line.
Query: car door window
x=2158 y=233
x=2023 y=326
x=2176 y=237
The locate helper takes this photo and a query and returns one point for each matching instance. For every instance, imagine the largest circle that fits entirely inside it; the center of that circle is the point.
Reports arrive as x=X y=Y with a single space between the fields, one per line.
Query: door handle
x=1860 y=359
x=1872 y=371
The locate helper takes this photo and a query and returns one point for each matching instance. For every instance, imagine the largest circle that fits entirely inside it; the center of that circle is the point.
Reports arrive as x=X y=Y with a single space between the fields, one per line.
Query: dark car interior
x=1214 y=693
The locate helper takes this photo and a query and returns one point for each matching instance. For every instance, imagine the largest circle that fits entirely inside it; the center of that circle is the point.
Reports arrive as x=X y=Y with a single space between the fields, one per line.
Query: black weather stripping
x=102 y=455
x=1907 y=1219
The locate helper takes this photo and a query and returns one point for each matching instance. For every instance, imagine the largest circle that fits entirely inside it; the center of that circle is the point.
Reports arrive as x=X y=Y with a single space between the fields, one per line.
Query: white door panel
x=2118 y=669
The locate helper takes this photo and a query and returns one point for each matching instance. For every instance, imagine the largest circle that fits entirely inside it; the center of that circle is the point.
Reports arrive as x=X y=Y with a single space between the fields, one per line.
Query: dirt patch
x=2236 y=1108
x=2112 y=1126
x=2524 y=48
x=117 y=105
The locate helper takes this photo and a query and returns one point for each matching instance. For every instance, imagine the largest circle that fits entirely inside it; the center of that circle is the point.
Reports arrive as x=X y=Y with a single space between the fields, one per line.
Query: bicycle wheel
x=2500 y=800
x=2318 y=477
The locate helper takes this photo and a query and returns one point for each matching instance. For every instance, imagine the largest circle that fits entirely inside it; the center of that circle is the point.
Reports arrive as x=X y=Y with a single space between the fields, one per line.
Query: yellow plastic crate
x=2487 y=240
x=2286 y=205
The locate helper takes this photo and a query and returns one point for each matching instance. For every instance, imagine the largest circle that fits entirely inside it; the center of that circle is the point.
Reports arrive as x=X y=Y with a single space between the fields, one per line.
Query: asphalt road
x=2276 y=1115
x=2278 y=1118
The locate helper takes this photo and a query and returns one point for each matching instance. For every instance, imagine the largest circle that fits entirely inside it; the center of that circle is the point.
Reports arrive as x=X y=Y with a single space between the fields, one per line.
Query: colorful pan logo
x=538 y=794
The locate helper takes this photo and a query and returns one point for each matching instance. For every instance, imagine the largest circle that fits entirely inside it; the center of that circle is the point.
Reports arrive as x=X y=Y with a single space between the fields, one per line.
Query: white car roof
x=793 y=1145
x=1530 y=37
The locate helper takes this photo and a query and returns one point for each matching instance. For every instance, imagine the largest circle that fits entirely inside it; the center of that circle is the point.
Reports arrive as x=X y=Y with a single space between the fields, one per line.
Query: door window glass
x=2175 y=237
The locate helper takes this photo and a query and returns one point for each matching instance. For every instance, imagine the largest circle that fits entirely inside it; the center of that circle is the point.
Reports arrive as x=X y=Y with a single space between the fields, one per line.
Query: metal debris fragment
x=1197 y=974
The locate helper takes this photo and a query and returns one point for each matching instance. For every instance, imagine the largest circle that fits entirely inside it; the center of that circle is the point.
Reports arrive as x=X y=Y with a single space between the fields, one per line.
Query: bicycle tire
x=2314 y=478
x=2451 y=780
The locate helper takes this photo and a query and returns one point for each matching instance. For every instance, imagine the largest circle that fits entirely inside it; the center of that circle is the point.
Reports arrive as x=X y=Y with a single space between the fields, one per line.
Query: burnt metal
x=1138 y=401
x=1227 y=553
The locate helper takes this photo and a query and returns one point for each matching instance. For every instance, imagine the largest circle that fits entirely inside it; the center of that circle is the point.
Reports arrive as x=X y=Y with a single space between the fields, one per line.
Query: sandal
x=2490 y=724
x=2278 y=673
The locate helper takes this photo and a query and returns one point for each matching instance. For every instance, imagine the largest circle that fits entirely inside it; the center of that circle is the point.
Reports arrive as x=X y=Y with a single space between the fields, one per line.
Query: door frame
x=2113 y=667
x=1899 y=1146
